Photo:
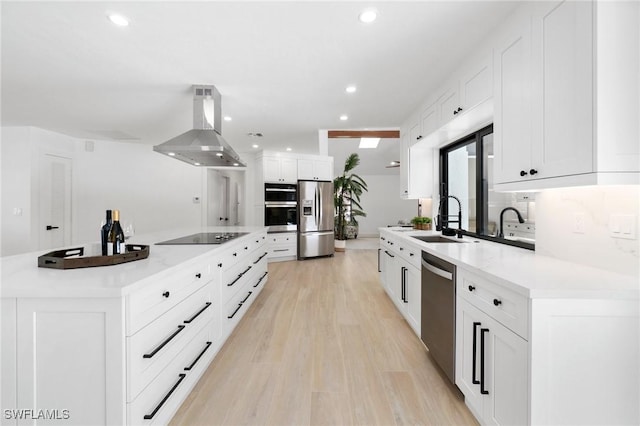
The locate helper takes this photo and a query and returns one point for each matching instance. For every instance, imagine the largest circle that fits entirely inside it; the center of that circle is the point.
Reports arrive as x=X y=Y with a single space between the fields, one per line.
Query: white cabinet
x=282 y=246
x=416 y=159
x=565 y=113
x=476 y=84
x=412 y=296
x=321 y=169
x=280 y=169
x=448 y=105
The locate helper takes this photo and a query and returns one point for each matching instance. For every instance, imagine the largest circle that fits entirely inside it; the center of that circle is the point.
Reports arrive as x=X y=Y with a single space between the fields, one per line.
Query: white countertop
x=21 y=276
x=524 y=271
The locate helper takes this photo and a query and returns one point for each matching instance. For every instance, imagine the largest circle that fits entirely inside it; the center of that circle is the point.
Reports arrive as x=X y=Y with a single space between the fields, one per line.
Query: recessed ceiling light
x=171 y=154
x=118 y=20
x=236 y=164
x=219 y=154
x=351 y=89
x=288 y=149
x=369 y=142
x=368 y=16
x=196 y=164
x=227 y=118
x=255 y=146
x=344 y=117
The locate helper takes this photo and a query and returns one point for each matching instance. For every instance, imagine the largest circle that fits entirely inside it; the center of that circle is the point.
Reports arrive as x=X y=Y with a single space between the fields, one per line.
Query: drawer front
x=504 y=305
x=157 y=298
x=160 y=400
x=233 y=279
x=409 y=253
x=283 y=250
x=151 y=349
x=283 y=238
x=235 y=309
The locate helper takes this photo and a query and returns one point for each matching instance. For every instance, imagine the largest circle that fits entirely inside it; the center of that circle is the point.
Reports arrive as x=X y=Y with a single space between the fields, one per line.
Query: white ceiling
x=281 y=67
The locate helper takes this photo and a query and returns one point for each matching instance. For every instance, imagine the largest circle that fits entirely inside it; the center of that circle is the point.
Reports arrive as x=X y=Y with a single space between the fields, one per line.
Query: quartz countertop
x=21 y=276
x=524 y=271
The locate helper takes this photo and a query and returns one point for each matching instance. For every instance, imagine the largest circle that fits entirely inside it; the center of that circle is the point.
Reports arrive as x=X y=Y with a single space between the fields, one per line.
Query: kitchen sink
x=436 y=239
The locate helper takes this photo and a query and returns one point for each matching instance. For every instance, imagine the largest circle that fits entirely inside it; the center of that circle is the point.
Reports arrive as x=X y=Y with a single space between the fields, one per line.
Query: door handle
x=475 y=350
x=483 y=391
x=49 y=227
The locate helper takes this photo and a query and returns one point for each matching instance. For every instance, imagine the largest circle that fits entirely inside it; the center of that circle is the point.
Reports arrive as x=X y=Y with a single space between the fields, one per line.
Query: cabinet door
x=512 y=100
x=305 y=170
x=70 y=356
x=289 y=170
x=412 y=297
x=468 y=322
x=429 y=121
x=449 y=105
x=271 y=169
x=476 y=85
x=506 y=376
x=323 y=169
x=404 y=165
x=392 y=275
x=563 y=63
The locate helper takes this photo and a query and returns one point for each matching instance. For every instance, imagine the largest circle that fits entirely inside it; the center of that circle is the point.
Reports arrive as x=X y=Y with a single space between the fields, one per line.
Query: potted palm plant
x=347 y=189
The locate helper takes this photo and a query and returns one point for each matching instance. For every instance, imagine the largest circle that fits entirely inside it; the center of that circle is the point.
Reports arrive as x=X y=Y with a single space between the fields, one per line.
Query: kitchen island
x=122 y=344
x=537 y=340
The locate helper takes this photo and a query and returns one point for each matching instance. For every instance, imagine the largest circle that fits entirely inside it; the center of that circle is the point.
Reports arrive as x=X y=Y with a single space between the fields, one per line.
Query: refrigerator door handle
x=318 y=206
x=313 y=233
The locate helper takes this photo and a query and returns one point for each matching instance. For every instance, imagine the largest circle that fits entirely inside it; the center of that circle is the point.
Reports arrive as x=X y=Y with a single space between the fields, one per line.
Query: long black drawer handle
x=193 y=364
x=404 y=287
x=483 y=391
x=159 y=406
x=197 y=313
x=234 y=312
x=245 y=271
x=234 y=281
x=260 y=258
x=389 y=253
x=245 y=299
x=475 y=350
x=260 y=280
x=163 y=344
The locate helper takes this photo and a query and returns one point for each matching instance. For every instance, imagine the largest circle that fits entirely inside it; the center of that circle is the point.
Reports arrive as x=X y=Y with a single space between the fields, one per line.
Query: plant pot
x=422 y=226
x=340 y=245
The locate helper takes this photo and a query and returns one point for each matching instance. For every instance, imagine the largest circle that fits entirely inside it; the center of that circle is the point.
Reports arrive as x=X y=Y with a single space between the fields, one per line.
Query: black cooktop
x=204 y=238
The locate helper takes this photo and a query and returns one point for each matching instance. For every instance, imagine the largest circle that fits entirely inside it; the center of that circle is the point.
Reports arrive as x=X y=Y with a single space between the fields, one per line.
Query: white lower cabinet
x=491 y=367
x=282 y=246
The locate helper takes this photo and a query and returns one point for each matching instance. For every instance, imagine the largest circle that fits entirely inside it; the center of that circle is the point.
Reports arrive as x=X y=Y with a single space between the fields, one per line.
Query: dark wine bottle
x=115 y=238
x=104 y=233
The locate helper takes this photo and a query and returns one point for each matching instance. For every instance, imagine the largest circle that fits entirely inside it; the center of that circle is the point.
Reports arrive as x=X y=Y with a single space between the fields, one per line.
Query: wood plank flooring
x=324 y=345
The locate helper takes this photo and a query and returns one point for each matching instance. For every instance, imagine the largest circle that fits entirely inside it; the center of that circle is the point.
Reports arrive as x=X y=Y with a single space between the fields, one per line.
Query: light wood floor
x=323 y=345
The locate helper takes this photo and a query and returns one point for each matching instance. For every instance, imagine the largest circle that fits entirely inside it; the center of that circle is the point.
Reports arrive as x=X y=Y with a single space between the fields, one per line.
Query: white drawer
x=282 y=238
x=159 y=401
x=151 y=349
x=283 y=250
x=149 y=303
x=232 y=279
x=236 y=307
x=409 y=253
x=509 y=308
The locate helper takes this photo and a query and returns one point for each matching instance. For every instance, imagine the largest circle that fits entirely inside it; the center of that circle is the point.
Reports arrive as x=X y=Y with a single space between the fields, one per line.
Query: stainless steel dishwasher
x=438 y=318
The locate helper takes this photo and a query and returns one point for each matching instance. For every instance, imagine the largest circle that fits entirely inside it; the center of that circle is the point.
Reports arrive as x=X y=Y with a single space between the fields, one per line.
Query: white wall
x=382 y=204
x=556 y=212
x=153 y=191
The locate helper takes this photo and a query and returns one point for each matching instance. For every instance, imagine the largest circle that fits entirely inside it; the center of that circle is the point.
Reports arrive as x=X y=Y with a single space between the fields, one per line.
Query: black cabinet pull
x=190 y=320
x=246 y=298
x=401 y=248
x=159 y=406
x=391 y=242
x=219 y=265
x=473 y=356
x=379 y=250
x=483 y=391
x=166 y=294
x=234 y=312
x=410 y=254
x=455 y=112
x=234 y=281
x=260 y=258
x=389 y=253
x=497 y=302
x=471 y=288
x=419 y=137
x=402 y=283
x=163 y=344
x=260 y=280
x=198 y=275
x=235 y=254
x=459 y=109
x=523 y=173
x=383 y=238
x=246 y=270
x=533 y=172
x=246 y=248
x=49 y=227
x=257 y=241
x=193 y=364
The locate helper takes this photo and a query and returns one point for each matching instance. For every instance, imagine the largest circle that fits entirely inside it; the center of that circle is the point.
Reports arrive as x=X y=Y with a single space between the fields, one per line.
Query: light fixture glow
x=255 y=146
x=350 y=89
x=368 y=143
x=196 y=164
x=288 y=149
x=236 y=164
x=219 y=154
x=344 y=117
x=118 y=20
x=227 y=118
x=171 y=154
x=368 y=16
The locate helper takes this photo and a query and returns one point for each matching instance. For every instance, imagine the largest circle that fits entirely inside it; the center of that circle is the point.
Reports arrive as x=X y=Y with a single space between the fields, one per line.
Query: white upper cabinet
x=582 y=86
x=321 y=169
x=404 y=163
x=416 y=164
x=448 y=105
x=476 y=84
x=280 y=169
x=429 y=121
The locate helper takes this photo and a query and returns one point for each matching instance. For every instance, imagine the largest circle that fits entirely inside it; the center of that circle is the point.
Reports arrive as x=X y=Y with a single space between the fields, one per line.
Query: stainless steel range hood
x=204 y=144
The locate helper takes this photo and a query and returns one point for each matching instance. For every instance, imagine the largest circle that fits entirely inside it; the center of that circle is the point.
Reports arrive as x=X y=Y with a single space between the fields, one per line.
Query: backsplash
x=574 y=224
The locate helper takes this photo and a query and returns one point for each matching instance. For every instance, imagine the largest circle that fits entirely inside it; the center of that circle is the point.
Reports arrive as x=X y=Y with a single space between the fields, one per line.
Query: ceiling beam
x=357 y=134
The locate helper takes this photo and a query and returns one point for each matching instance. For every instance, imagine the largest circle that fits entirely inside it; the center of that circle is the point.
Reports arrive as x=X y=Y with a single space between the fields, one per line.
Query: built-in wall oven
x=281 y=207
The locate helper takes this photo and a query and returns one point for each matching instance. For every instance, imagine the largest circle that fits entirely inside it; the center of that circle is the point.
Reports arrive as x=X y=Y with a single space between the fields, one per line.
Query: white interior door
x=218 y=188
x=54 y=220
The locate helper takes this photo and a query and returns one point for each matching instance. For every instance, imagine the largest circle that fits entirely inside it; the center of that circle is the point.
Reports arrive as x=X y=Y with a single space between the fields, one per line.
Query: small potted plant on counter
x=421 y=222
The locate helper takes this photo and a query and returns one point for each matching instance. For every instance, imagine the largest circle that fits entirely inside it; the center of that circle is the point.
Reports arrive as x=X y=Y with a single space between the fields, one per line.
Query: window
x=466 y=177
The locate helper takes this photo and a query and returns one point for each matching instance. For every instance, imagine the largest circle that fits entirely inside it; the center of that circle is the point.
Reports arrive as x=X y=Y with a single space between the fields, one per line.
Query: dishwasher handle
x=440 y=272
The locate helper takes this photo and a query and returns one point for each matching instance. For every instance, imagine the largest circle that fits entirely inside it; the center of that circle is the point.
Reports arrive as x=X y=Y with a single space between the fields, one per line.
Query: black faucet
x=520 y=219
x=442 y=224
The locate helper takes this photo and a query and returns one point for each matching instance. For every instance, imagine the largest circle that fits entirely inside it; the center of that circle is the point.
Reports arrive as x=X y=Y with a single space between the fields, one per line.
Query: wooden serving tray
x=73 y=258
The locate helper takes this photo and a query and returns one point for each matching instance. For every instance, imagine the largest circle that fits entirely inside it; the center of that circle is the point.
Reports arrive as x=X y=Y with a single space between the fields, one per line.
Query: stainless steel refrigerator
x=315 y=218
